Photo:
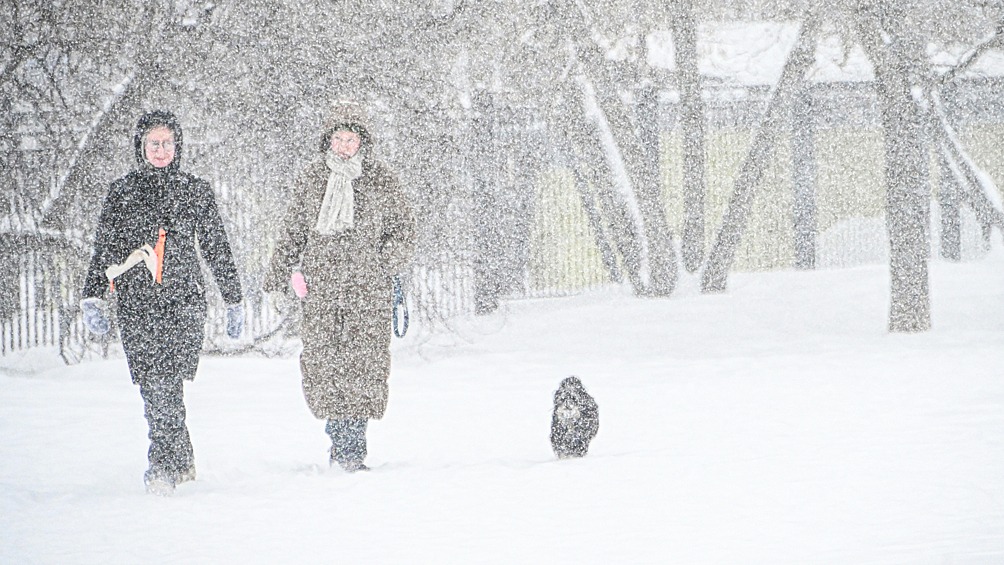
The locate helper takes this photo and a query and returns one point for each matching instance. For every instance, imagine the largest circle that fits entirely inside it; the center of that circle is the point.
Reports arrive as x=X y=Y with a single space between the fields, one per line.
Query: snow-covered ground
x=777 y=423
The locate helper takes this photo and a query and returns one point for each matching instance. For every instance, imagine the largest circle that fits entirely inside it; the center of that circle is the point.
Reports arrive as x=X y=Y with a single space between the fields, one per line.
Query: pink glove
x=299 y=284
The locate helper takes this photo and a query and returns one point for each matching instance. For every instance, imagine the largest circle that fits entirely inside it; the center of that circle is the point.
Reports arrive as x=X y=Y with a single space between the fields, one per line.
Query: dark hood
x=152 y=120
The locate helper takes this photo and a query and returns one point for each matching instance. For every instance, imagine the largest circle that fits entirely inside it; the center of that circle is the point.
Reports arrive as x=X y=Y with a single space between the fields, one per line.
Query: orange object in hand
x=158 y=250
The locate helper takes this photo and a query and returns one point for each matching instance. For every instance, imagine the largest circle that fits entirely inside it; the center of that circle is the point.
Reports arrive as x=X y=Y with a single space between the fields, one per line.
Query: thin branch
x=41 y=97
x=21 y=54
x=25 y=88
x=118 y=93
x=994 y=42
x=50 y=73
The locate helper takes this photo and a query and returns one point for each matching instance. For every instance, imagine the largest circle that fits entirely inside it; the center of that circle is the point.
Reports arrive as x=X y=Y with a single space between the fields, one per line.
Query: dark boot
x=348 y=443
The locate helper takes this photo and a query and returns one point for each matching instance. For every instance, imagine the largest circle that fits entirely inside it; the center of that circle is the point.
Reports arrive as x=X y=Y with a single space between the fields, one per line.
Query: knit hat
x=152 y=120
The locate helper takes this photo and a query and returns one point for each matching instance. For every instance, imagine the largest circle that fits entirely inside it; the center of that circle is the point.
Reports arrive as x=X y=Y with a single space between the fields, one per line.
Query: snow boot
x=158 y=482
x=353 y=466
x=347 y=465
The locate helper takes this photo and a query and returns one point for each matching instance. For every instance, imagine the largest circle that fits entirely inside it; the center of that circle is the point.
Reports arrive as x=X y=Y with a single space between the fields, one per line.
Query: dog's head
x=569 y=399
x=570 y=391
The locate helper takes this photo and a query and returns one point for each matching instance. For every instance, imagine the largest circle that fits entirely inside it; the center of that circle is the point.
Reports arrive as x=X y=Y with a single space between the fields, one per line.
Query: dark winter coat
x=346 y=329
x=163 y=319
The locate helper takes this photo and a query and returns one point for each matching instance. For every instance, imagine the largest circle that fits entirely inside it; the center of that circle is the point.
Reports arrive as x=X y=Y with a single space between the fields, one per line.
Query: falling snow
x=766 y=234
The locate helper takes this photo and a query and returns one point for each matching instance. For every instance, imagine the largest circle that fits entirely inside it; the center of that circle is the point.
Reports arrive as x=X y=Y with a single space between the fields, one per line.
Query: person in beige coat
x=349 y=230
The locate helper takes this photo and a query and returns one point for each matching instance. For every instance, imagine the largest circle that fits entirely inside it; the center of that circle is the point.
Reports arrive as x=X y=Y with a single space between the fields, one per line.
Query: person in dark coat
x=349 y=230
x=154 y=222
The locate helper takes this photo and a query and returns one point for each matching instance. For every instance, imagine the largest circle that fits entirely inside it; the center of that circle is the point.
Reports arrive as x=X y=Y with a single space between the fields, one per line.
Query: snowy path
x=778 y=423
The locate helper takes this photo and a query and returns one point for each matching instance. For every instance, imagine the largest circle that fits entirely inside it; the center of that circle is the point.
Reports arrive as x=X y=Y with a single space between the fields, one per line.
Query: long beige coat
x=346 y=327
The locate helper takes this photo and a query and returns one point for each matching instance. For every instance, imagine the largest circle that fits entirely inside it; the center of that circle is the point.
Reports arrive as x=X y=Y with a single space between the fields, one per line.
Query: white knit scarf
x=337 y=207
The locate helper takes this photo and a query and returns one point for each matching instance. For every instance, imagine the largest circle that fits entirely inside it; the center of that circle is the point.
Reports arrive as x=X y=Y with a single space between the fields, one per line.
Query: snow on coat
x=163 y=321
x=346 y=329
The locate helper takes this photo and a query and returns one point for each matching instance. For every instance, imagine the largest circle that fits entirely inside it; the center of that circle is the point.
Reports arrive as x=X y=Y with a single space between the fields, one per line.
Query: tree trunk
x=968 y=176
x=591 y=165
x=581 y=172
x=661 y=258
x=644 y=182
x=692 y=125
x=906 y=173
x=487 y=207
x=579 y=31
x=803 y=153
x=949 y=204
x=736 y=216
x=526 y=167
x=648 y=182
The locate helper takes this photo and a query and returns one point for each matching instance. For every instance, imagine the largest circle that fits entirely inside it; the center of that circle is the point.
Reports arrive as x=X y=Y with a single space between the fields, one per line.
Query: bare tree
x=644 y=181
x=895 y=55
x=715 y=274
x=692 y=123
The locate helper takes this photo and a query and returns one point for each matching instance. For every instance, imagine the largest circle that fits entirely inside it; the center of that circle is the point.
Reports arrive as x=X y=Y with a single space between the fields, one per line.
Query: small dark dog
x=575 y=421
